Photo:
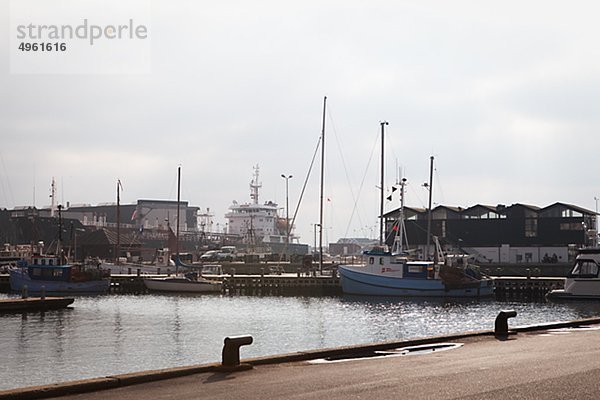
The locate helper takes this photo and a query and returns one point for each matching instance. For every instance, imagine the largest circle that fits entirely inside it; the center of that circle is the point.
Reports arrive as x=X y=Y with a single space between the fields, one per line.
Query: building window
x=571 y=226
x=571 y=213
x=530 y=227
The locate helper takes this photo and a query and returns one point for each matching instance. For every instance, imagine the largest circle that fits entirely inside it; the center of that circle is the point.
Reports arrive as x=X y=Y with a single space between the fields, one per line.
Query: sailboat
x=395 y=273
x=190 y=282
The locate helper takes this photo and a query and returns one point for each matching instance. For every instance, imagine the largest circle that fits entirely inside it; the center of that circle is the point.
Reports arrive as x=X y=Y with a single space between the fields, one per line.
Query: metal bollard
x=24 y=292
x=139 y=272
x=231 y=353
x=501 y=325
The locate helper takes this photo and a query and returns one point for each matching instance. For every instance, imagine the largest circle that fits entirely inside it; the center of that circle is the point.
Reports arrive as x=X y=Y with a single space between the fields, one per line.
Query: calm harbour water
x=116 y=334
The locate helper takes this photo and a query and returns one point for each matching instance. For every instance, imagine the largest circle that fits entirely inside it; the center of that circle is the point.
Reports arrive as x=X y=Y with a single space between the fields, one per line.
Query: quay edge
x=117 y=381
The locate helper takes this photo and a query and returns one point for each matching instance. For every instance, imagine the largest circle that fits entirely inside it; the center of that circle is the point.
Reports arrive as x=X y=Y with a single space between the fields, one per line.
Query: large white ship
x=260 y=225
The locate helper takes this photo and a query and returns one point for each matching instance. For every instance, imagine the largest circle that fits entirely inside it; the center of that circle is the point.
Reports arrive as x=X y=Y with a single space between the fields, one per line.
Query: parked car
x=211 y=255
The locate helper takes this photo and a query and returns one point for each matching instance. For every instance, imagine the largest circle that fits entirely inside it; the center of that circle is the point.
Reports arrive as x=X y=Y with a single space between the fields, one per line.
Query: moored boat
x=190 y=282
x=48 y=274
x=583 y=281
x=185 y=284
x=389 y=274
x=395 y=273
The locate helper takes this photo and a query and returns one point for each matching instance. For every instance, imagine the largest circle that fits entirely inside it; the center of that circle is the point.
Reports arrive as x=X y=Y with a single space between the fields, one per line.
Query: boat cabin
x=47 y=268
x=586 y=265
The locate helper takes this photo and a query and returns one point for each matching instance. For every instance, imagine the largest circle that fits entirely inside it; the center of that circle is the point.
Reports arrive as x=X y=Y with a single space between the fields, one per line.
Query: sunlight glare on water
x=116 y=334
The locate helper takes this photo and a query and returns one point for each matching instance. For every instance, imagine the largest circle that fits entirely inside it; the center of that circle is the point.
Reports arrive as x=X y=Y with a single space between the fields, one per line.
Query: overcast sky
x=504 y=94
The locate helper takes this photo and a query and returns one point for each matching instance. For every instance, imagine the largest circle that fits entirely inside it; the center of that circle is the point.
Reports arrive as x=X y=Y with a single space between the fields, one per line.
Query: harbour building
x=519 y=233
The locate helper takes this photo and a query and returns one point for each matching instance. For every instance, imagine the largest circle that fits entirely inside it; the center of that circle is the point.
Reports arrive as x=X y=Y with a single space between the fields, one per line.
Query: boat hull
x=19 y=279
x=357 y=282
x=166 y=285
x=560 y=294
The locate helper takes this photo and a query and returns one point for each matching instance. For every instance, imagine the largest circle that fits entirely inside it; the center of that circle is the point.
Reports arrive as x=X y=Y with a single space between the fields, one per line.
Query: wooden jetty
x=528 y=287
x=34 y=304
x=301 y=284
x=285 y=284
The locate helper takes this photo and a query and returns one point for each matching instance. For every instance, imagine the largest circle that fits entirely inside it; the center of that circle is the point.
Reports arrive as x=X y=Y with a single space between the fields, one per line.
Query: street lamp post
x=287 y=211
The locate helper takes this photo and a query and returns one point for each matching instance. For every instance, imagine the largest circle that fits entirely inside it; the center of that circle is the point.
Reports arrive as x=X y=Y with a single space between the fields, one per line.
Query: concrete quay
x=553 y=361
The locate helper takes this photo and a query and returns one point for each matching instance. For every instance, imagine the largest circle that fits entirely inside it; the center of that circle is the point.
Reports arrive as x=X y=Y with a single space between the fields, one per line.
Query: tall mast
x=118 y=222
x=177 y=229
x=322 y=184
x=429 y=209
x=383 y=123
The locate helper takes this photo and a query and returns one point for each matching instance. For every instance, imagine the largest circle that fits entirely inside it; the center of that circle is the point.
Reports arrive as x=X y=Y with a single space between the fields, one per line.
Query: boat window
x=50 y=262
x=415 y=268
x=380 y=260
x=585 y=268
x=57 y=273
x=371 y=260
x=36 y=271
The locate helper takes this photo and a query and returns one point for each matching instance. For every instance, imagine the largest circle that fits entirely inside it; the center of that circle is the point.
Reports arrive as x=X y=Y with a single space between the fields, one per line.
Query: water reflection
x=103 y=335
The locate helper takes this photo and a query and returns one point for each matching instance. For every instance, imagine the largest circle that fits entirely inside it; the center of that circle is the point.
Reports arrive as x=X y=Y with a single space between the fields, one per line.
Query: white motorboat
x=184 y=284
x=583 y=282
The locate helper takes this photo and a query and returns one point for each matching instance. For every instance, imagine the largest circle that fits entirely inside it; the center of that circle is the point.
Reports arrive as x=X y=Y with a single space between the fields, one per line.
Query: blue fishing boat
x=49 y=274
x=388 y=274
x=395 y=273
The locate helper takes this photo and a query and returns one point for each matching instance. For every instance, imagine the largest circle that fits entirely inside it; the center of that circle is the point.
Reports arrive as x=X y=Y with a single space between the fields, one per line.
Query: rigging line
x=306 y=180
x=354 y=198
x=375 y=142
x=412 y=190
x=439 y=187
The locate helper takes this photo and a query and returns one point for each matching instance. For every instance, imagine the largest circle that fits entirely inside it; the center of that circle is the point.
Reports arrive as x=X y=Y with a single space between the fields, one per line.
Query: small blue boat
x=47 y=274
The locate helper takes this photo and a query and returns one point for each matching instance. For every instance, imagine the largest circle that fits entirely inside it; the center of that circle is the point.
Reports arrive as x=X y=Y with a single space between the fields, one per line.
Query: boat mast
x=322 y=183
x=400 y=236
x=381 y=241
x=53 y=196
x=118 y=222
x=177 y=229
x=60 y=228
x=429 y=209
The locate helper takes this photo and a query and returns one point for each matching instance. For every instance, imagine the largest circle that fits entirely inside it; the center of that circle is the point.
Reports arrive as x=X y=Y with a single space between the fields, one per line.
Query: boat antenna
x=383 y=124
x=53 y=197
x=430 y=188
x=255 y=185
x=322 y=181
